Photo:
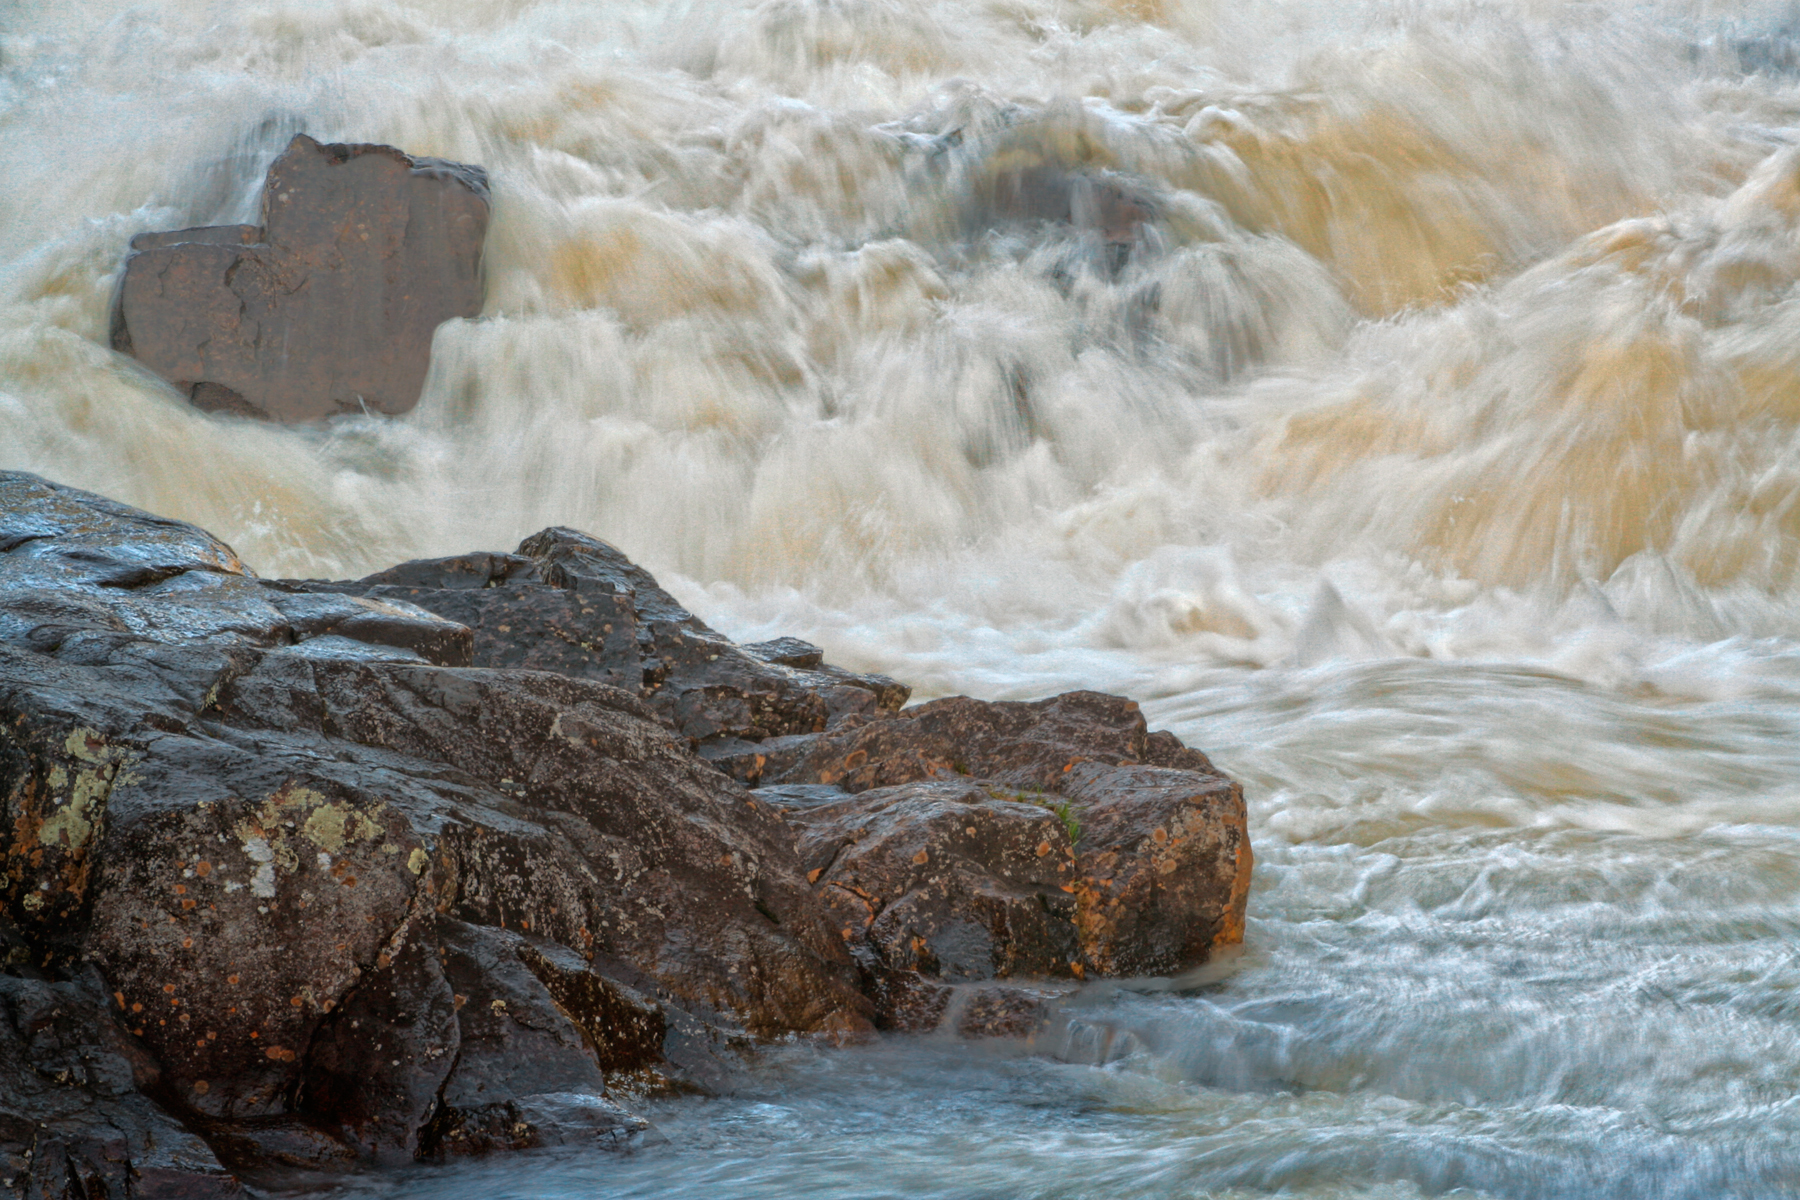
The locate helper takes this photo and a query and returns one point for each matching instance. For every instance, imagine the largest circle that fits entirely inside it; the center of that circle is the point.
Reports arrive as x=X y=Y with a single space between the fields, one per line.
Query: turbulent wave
x=1402 y=399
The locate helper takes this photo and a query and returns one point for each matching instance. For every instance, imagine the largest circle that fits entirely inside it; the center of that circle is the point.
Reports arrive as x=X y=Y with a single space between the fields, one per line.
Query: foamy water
x=1407 y=410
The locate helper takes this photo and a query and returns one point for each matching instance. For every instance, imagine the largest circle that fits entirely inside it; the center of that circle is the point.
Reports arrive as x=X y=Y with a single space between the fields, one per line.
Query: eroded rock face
x=255 y=825
x=570 y=603
x=327 y=306
x=966 y=841
x=451 y=859
x=72 y=1120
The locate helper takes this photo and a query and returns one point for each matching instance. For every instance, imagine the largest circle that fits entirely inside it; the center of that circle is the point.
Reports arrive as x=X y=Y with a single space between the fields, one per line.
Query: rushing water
x=1431 y=457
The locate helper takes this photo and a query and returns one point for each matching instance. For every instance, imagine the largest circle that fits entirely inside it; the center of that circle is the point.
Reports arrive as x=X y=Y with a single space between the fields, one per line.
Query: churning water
x=1401 y=399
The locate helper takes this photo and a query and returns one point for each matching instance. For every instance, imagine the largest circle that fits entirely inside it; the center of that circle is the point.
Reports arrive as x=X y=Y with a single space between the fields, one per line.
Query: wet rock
x=251 y=822
x=1004 y=1010
x=624 y=1030
x=378 y=1063
x=515 y=1042
x=457 y=857
x=977 y=840
x=570 y=603
x=1010 y=744
x=540 y=1031
x=1163 y=874
x=281 y=1152
x=72 y=1122
x=329 y=304
x=539 y=1119
x=950 y=879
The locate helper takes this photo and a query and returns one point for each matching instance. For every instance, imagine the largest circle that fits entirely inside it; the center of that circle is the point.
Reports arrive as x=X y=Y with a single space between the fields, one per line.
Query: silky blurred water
x=1430 y=456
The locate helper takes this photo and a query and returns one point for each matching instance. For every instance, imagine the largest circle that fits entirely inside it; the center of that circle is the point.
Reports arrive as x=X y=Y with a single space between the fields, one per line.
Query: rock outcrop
x=329 y=304
x=456 y=857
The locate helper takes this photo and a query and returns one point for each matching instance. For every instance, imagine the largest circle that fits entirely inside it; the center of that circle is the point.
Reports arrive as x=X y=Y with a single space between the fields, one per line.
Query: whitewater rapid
x=1430 y=456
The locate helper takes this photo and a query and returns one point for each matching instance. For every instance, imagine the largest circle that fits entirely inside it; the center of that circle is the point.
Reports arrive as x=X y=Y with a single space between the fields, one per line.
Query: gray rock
x=72 y=1124
x=570 y=603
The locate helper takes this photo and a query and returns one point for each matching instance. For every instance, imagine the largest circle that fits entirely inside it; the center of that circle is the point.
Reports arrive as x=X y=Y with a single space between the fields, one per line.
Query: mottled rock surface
x=256 y=811
x=462 y=856
x=73 y=1122
x=330 y=303
x=569 y=603
x=964 y=840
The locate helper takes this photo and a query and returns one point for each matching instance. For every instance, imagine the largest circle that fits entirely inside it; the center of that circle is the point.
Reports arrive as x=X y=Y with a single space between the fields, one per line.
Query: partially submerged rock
x=453 y=859
x=969 y=840
x=329 y=304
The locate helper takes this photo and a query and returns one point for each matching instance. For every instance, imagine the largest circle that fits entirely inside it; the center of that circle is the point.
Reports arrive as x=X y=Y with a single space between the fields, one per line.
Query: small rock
x=327 y=306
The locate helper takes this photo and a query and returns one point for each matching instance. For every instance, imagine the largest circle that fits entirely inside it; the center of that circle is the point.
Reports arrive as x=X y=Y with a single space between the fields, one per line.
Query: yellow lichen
x=72 y=824
x=329 y=825
x=325 y=828
x=86 y=745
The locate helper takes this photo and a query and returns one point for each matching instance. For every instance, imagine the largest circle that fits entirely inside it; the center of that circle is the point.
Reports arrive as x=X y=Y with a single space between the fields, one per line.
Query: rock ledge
x=306 y=875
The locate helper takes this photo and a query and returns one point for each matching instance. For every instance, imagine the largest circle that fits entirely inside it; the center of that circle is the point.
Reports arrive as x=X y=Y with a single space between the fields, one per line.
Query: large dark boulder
x=462 y=856
x=329 y=304
x=570 y=603
x=255 y=825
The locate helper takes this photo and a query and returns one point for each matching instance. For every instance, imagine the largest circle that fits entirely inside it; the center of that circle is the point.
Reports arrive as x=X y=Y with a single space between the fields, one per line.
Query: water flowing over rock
x=435 y=862
x=329 y=304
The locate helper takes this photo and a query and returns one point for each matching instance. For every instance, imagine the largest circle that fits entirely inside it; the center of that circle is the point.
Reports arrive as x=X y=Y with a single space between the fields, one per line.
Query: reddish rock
x=1164 y=870
x=949 y=879
x=327 y=306
x=954 y=851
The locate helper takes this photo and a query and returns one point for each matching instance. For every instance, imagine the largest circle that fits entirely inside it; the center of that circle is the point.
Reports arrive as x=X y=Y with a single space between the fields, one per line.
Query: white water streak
x=1433 y=457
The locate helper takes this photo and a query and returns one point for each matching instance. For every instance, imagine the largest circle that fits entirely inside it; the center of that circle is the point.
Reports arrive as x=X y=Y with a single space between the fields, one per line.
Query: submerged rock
x=452 y=859
x=329 y=304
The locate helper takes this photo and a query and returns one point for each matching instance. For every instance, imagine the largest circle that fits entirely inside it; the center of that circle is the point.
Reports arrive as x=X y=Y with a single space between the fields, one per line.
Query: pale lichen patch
x=328 y=825
x=72 y=823
x=324 y=828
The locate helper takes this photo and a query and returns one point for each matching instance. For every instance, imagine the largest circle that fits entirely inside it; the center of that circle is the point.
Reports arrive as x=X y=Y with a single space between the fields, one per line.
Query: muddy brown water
x=1400 y=399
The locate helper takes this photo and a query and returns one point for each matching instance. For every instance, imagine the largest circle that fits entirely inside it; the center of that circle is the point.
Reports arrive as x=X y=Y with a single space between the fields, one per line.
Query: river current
x=1402 y=400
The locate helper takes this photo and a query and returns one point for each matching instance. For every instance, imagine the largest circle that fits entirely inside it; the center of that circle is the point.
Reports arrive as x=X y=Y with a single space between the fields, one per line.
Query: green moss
x=1063 y=809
